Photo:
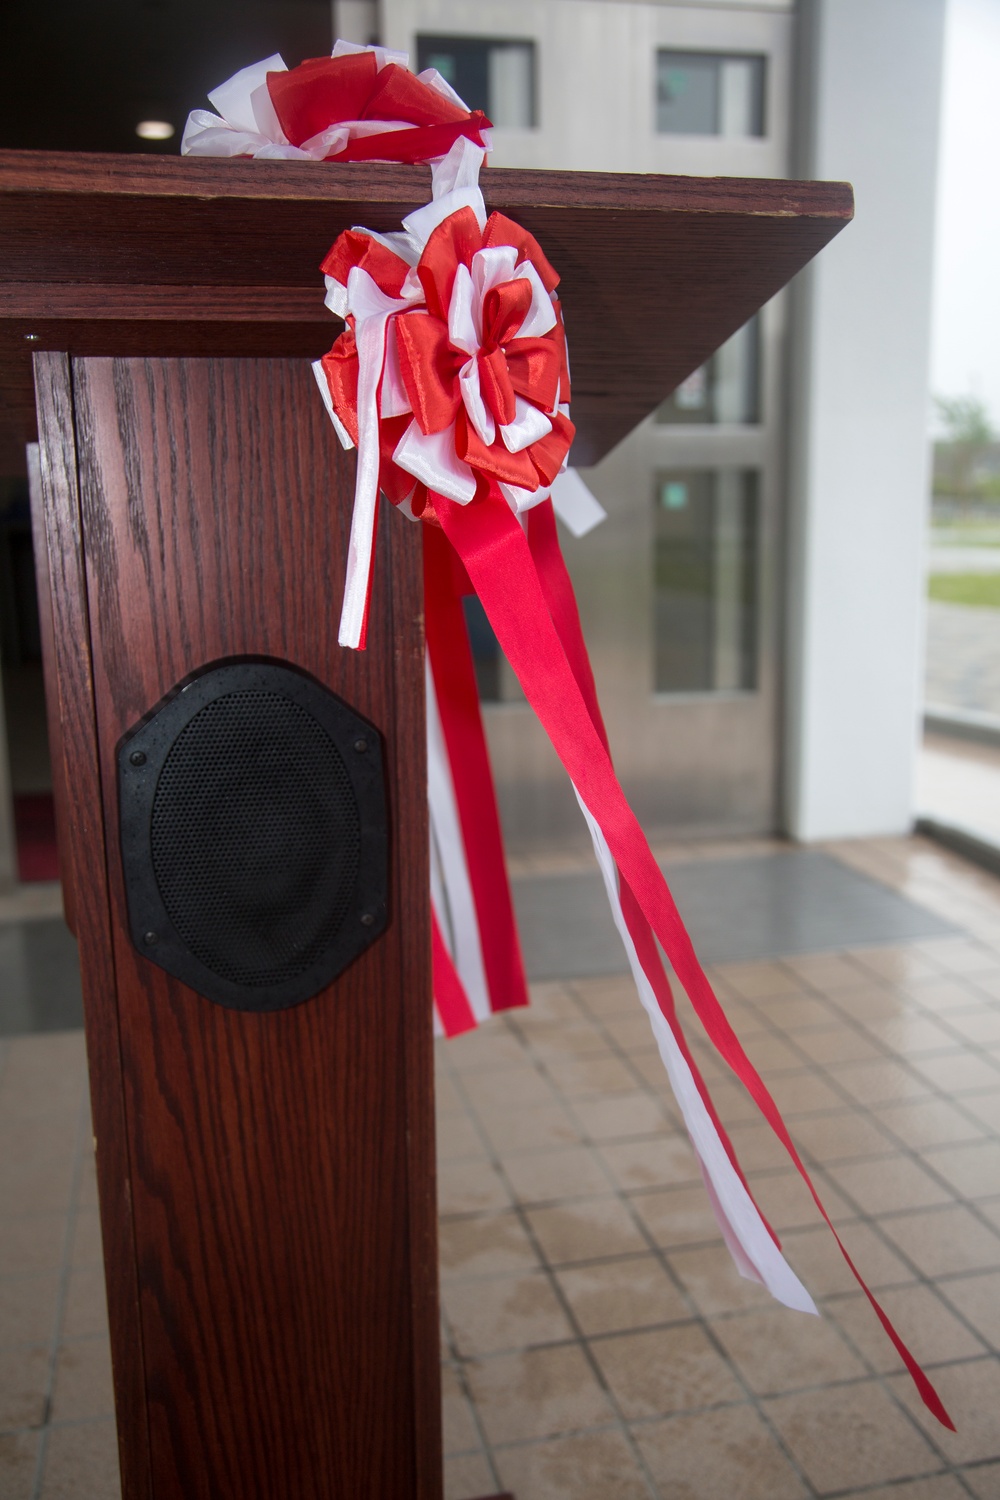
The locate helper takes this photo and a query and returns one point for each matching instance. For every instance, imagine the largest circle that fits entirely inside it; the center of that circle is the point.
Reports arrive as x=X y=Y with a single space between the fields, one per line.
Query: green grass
x=980 y=589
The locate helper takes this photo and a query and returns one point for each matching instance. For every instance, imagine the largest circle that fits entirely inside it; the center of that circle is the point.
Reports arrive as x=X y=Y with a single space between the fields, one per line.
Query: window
x=726 y=389
x=494 y=75
x=705 y=581
x=709 y=93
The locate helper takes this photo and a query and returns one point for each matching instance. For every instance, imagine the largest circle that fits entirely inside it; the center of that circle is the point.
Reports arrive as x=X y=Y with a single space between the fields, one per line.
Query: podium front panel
x=266 y=1176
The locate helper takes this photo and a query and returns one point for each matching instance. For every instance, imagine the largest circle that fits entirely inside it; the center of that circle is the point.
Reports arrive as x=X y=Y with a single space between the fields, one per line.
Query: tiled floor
x=598 y=1344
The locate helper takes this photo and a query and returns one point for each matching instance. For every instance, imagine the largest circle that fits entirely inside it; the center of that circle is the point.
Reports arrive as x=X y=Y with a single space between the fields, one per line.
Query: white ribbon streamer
x=756 y=1255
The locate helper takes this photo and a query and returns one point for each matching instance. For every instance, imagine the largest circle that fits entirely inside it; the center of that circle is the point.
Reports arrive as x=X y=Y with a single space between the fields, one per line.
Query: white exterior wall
x=860 y=450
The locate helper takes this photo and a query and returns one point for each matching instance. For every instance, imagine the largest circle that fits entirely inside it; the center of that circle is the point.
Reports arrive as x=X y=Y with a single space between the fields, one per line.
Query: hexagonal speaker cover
x=254 y=835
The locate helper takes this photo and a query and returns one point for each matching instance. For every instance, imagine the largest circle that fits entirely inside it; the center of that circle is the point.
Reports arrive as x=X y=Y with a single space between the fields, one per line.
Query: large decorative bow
x=451 y=379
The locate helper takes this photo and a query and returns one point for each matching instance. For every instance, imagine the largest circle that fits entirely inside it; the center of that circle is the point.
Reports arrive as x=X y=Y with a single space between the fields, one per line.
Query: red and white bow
x=360 y=104
x=451 y=379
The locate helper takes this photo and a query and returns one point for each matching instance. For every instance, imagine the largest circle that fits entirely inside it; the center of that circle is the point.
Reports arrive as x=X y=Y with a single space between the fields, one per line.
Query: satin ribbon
x=496 y=556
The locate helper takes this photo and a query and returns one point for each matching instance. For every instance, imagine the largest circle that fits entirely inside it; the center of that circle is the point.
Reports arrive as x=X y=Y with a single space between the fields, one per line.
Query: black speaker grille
x=255 y=838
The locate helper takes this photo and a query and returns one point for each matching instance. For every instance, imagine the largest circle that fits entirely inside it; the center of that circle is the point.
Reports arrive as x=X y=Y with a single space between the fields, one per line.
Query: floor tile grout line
x=82 y=1145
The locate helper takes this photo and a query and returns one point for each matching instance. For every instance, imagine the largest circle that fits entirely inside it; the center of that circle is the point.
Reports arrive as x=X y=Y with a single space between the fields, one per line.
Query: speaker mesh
x=255 y=838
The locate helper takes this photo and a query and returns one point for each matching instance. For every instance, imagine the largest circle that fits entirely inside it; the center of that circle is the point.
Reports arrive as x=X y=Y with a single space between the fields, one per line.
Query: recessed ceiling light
x=154 y=130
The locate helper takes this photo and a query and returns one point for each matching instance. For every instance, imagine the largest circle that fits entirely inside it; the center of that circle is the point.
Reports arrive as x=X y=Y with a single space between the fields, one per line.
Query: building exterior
x=753 y=603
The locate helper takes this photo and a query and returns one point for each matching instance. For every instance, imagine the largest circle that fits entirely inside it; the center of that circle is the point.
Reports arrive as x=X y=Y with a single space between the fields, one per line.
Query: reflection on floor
x=597 y=1343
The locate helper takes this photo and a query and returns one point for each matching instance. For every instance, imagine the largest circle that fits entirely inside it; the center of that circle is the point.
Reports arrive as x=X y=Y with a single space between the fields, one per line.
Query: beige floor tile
x=734 y=1104
x=18 y=1461
x=828 y=972
x=792 y=1014
x=83 y=1387
x=959 y=955
x=979 y=1027
x=537 y=1393
x=960 y=1072
x=24 y=1389
x=896 y=964
x=787 y=1203
x=658 y=1371
x=718 y=1455
x=984 y=1482
x=458 y=1424
x=874 y=1004
x=874 y=1084
x=86 y=1247
x=486 y=1047
x=836 y=1044
x=772 y=1054
x=990 y=1210
x=548 y=1176
x=631 y=1033
x=804 y=1093
x=929 y=1329
x=940 y=997
x=588 y=1466
x=620 y=1116
x=662 y=1161
x=486 y=1246
x=511 y=1089
x=551 y=1000
x=972 y=1170
x=988 y=984
x=778 y=1350
x=848 y=1135
x=971 y=1394
x=458 y=1138
x=912 y=1034
x=758 y=1148
x=535 y=1129
x=930 y=1122
x=591 y=1229
x=985 y=1107
x=470 y=1186
x=814 y=1255
x=508 y=1312
x=754 y=981
x=713 y=1283
x=28 y=1309
x=937 y=1487
x=887 y=1184
x=851 y=1437
x=467 y=1475
x=616 y=1295
x=677 y=1216
x=978 y=1300
x=944 y=1241
x=559 y=1041
x=40 y=1187
x=607 y=997
x=447 y=1099
x=85 y=1311
x=82 y=1460
x=30 y=1244
x=585 y=1077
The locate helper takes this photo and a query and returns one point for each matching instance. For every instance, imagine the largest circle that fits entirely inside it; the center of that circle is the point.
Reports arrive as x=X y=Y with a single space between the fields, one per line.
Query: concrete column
x=859 y=461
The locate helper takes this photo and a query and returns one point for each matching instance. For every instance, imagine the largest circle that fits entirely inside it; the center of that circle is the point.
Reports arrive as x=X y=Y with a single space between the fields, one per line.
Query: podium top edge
x=56 y=174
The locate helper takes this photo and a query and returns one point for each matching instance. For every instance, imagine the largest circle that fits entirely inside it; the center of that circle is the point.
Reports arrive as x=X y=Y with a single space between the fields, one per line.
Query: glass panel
x=708 y=93
x=726 y=389
x=491 y=74
x=705 y=581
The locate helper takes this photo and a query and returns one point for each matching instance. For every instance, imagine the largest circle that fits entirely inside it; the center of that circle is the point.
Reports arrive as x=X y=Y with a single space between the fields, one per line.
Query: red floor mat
x=35 y=831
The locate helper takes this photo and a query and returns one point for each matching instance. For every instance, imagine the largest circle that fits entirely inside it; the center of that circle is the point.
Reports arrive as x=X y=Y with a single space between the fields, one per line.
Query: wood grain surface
x=279 y=1167
x=656 y=271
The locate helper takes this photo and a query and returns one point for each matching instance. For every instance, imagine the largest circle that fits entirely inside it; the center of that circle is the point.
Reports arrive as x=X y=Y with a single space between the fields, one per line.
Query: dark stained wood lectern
x=267 y=1179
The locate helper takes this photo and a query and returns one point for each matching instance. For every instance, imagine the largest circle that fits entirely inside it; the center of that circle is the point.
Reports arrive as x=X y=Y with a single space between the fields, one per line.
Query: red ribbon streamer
x=497 y=558
x=461 y=722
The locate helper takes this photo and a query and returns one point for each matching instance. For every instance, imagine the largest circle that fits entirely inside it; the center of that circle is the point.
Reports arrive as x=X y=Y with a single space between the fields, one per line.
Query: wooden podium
x=267 y=1177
